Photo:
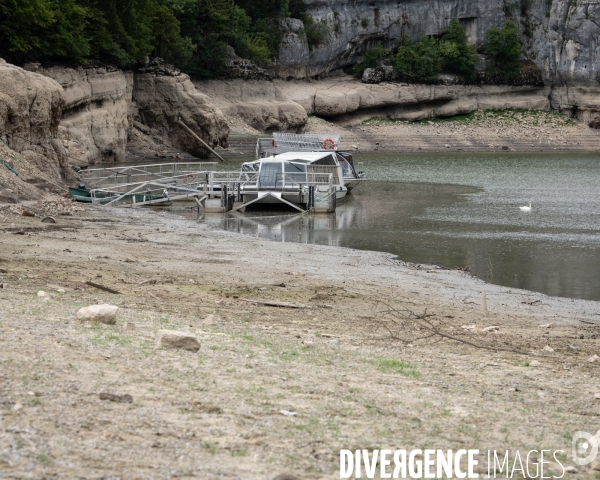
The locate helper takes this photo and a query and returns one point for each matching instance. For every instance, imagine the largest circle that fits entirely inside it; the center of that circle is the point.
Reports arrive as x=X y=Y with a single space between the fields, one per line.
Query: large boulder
x=162 y=98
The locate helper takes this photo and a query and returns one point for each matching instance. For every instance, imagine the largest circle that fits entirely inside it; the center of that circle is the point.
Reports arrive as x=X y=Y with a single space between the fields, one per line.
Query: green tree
x=21 y=26
x=503 y=48
x=456 y=53
x=371 y=58
x=418 y=61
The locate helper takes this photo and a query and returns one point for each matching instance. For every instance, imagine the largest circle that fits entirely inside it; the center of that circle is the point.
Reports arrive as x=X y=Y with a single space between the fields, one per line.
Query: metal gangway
x=218 y=191
x=112 y=177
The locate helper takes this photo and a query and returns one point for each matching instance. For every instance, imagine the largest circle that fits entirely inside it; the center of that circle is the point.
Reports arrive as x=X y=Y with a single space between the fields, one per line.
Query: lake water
x=462 y=210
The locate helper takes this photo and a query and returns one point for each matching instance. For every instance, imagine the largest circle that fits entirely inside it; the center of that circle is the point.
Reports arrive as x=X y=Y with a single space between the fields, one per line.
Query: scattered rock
x=297 y=274
x=129 y=326
x=447 y=146
x=597 y=396
x=548 y=348
x=570 y=469
x=308 y=344
x=594 y=359
x=27 y=213
x=126 y=398
x=547 y=325
x=147 y=282
x=178 y=340
x=104 y=313
x=208 y=320
x=334 y=342
x=3 y=285
x=491 y=328
x=504 y=147
x=286 y=476
x=48 y=220
x=42 y=294
x=288 y=413
x=17 y=406
x=534 y=363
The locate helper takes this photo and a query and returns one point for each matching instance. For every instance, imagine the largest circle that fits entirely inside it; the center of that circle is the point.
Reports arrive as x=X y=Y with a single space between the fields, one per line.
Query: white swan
x=526 y=209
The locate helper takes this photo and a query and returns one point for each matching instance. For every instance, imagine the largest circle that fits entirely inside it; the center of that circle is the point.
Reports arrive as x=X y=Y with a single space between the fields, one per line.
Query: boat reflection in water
x=285 y=226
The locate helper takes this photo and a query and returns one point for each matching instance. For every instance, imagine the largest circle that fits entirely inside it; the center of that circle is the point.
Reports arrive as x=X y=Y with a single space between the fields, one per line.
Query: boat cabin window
x=295 y=173
x=347 y=170
x=248 y=172
x=271 y=175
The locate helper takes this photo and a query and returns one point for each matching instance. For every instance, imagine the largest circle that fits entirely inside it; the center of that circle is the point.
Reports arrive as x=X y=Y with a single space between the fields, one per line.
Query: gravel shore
x=385 y=354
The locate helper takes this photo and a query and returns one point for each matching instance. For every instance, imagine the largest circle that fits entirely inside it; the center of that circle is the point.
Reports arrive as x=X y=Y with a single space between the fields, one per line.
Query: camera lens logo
x=585 y=448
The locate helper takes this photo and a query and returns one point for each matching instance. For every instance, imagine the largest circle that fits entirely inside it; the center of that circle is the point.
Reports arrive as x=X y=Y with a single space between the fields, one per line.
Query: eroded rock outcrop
x=262 y=105
x=95 y=110
x=348 y=97
x=31 y=106
x=162 y=99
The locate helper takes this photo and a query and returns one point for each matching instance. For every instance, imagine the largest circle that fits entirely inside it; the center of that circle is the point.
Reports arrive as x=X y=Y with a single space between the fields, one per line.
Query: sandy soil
x=336 y=364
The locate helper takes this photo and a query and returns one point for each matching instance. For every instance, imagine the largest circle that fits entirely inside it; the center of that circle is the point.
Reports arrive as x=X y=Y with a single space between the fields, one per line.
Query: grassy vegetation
x=395 y=366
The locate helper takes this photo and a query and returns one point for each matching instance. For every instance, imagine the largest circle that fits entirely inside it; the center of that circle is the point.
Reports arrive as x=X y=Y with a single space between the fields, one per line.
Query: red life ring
x=328 y=144
x=273 y=142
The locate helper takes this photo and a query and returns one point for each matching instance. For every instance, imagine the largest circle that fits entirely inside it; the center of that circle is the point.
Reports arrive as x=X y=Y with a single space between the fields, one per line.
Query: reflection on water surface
x=462 y=210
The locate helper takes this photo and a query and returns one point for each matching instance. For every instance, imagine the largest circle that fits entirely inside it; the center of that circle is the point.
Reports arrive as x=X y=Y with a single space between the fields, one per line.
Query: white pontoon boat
x=290 y=176
x=353 y=174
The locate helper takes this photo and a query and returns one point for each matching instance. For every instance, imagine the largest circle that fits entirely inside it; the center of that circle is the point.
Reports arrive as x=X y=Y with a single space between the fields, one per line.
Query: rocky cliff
x=95 y=109
x=559 y=36
x=31 y=106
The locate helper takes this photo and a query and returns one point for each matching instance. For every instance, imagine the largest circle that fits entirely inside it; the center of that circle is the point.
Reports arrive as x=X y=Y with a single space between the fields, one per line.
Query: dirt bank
x=271 y=390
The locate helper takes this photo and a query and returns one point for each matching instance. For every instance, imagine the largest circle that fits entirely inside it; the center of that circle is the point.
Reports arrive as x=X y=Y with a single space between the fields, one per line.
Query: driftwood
x=408 y=327
x=191 y=132
x=274 y=304
x=102 y=287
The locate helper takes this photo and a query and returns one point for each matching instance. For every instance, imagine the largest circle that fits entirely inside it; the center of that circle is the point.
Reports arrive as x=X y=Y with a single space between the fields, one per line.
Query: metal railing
x=114 y=176
x=294 y=142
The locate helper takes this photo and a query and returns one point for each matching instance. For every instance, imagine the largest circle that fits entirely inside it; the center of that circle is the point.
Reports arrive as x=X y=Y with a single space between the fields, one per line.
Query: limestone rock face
x=31 y=106
x=260 y=104
x=294 y=54
x=558 y=36
x=583 y=102
x=162 y=99
x=95 y=111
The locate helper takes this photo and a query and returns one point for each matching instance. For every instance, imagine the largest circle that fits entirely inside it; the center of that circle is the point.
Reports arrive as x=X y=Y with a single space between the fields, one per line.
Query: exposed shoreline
x=332 y=364
x=478 y=132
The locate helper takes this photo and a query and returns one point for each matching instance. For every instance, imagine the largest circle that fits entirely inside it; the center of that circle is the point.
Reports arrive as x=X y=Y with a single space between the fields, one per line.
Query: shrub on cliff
x=503 y=48
x=457 y=55
x=417 y=61
x=371 y=58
